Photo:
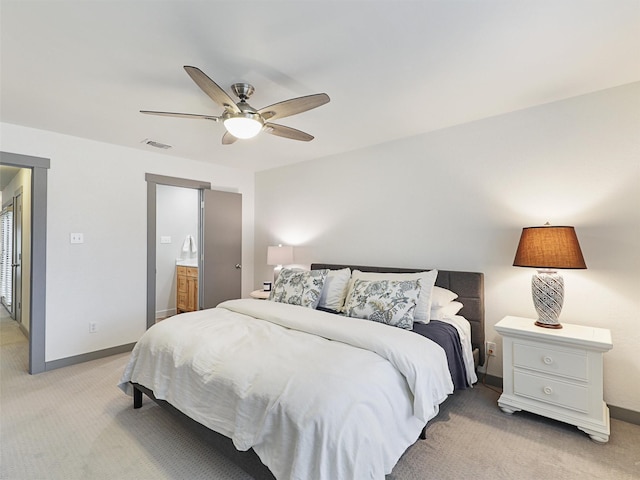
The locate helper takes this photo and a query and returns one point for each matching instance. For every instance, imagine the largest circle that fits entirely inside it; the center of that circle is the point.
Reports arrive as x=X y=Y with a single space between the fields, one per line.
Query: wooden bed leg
x=137 y=397
x=423 y=433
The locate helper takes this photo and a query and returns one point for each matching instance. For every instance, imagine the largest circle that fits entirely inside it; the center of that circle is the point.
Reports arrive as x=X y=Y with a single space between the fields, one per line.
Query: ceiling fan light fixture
x=243 y=125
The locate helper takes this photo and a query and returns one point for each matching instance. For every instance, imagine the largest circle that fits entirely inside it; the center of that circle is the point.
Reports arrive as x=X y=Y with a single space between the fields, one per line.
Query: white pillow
x=422 y=312
x=385 y=301
x=446 y=311
x=334 y=291
x=441 y=297
x=299 y=287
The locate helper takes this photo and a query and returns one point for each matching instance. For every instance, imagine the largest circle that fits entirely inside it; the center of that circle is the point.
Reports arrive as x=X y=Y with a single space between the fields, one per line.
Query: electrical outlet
x=490 y=349
x=93 y=327
x=76 y=238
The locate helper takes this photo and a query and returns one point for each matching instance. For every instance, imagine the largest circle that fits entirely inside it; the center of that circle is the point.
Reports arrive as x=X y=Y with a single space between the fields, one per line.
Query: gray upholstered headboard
x=468 y=285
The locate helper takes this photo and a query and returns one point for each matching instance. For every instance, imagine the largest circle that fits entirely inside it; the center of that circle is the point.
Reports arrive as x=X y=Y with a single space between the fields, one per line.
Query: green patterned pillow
x=387 y=301
x=299 y=287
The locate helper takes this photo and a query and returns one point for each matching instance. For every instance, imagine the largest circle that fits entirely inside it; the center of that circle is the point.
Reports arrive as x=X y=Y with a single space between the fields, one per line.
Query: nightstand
x=260 y=294
x=556 y=373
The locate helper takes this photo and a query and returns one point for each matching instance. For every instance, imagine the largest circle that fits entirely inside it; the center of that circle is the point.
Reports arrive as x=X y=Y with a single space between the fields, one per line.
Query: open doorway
x=177 y=247
x=218 y=249
x=34 y=251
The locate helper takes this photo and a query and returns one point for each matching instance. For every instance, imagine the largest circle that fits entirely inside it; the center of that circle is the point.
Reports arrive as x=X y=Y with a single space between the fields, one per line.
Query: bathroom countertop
x=189 y=262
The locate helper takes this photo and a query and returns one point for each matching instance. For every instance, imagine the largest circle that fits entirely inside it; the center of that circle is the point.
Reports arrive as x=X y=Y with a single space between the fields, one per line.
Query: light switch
x=76 y=238
x=165 y=239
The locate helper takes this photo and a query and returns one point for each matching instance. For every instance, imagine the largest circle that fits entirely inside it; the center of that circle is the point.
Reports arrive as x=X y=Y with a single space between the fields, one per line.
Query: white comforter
x=317 y=396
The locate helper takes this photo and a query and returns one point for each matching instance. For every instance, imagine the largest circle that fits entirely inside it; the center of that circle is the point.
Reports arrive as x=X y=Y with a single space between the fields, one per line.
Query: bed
x=310 y=393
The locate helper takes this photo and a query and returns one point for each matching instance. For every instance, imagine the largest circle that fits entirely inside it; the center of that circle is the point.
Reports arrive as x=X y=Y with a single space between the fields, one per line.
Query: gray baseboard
x=490 y=380
x=87 y=357
x=619 y=413
x=624 y=414
x=162 y=314
x=23 y=329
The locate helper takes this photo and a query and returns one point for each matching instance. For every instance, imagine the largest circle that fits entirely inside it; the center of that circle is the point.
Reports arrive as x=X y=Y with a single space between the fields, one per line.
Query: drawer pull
x=547 y=360
x=547 y=390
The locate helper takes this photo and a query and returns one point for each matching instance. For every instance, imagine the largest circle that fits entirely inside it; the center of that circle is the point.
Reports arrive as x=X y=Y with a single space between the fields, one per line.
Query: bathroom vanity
x=186 y=287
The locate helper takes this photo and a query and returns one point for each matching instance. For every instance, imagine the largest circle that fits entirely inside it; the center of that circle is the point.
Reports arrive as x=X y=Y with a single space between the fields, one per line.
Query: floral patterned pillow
x=387 y=301
x=299 y=287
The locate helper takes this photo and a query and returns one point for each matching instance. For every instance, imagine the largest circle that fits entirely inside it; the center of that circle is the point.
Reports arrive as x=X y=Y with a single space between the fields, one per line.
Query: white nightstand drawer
x=567 y=395
x=549 y=360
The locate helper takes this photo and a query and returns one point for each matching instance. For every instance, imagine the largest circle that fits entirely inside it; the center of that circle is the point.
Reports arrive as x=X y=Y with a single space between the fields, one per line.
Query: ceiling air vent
x=153 y=143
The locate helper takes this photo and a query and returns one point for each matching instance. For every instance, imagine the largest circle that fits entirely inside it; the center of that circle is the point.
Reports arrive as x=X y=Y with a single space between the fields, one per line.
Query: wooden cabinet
x=556 y=373
x=186 y=289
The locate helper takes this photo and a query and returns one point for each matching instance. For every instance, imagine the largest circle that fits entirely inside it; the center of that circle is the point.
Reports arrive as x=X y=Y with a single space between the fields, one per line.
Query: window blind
x=6 y=260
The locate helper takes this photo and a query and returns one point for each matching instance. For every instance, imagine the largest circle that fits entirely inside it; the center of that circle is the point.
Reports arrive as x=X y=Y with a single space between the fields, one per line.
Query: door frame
x=152 y=181
x=38 y=273
x=16 y=273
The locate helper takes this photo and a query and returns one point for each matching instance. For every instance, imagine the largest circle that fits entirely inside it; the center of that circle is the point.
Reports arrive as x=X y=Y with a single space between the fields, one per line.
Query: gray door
x=17 y=258
x=221 y=276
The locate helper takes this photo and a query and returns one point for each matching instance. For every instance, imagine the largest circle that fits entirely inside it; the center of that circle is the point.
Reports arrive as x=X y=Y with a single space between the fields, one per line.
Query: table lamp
x=279 y=255
x=548 y=248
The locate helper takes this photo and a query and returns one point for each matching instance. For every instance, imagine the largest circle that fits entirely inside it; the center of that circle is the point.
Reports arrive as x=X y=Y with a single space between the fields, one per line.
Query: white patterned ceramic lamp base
x=547 y=289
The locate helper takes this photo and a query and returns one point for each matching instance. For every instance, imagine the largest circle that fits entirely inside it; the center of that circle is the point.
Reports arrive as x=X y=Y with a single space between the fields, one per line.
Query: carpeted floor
x=74 y=423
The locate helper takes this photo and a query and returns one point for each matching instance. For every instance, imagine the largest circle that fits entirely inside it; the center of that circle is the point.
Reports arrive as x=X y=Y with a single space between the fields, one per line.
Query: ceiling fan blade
x=286 y=132
x=228 y=139
x=181 y=115
x=293 y=106
x=212 y=89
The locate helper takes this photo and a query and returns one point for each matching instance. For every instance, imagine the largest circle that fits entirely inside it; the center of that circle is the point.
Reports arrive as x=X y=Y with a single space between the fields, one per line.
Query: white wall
x=458 y=198
x=177 y=212
x=100 y=190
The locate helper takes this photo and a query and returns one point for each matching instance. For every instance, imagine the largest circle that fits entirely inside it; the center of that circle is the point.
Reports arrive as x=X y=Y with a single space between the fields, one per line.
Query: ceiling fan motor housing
x=242 y=90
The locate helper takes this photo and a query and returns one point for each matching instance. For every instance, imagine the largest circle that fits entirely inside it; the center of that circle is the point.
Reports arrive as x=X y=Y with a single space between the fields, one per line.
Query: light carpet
x=74 y=423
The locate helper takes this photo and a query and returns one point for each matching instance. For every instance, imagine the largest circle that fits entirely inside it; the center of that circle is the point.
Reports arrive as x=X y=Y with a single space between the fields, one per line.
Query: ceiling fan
x=242 y=120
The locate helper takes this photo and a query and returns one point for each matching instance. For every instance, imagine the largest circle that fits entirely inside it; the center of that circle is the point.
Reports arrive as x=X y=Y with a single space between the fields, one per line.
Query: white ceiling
x=393 y=69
